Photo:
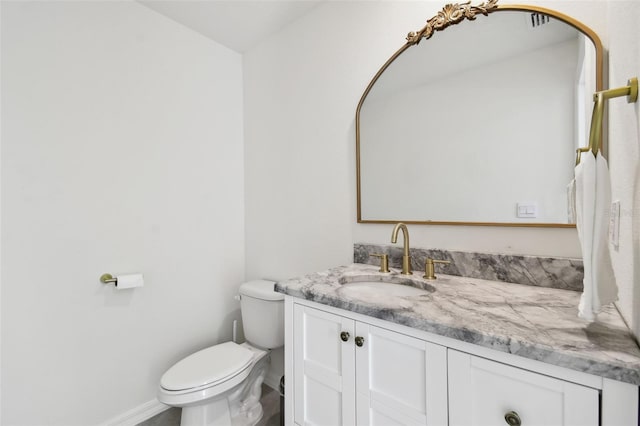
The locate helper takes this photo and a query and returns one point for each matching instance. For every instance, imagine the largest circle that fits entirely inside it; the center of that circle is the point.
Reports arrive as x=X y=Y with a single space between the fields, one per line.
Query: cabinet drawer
x=483 y=392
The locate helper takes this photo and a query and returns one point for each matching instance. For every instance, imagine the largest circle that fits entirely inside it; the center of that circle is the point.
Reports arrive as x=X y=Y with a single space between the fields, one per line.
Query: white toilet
x=221 y=385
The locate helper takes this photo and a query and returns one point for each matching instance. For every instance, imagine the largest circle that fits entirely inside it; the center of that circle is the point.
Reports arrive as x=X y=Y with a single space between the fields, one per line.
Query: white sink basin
x=386 y=288
x=384 y=285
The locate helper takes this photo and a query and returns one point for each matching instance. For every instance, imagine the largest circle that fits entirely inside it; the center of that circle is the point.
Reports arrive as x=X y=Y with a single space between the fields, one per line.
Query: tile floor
x=270 y=404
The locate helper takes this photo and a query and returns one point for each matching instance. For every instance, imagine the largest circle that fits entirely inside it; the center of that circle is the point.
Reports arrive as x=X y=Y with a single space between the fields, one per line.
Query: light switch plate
x=527 y=210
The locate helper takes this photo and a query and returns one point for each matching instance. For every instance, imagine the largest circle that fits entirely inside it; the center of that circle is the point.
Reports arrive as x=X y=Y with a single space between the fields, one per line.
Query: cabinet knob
x=359 y=341
x=344 y=336
x=512 y=418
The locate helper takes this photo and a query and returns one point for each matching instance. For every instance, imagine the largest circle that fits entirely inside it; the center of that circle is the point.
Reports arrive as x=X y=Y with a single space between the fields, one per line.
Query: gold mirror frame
x=453 y=14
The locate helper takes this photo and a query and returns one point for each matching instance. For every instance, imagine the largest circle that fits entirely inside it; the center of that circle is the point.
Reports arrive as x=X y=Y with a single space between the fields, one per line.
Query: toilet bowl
x=222 y=384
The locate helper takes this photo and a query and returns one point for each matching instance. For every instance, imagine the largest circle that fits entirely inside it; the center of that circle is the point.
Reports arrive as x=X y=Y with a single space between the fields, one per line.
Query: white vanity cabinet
x=351 y=369
x=348 y=372
x=484 y=392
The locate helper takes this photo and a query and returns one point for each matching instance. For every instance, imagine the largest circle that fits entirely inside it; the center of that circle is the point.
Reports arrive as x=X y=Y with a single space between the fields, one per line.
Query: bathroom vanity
x=451 y=351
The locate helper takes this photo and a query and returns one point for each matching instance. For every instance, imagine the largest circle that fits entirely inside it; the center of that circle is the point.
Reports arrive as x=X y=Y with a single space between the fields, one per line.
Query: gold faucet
x=406 y=258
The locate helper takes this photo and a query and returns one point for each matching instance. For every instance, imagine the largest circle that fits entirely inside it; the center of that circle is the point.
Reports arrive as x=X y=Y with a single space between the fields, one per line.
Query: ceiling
x=236 y=24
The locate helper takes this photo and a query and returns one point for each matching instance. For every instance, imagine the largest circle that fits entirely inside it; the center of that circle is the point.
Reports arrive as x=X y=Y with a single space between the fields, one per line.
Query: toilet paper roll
x=129 y=281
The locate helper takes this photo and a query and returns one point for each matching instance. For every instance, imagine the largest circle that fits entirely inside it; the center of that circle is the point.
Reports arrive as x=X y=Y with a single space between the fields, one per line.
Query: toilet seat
x=207 y=368
x=214 y=389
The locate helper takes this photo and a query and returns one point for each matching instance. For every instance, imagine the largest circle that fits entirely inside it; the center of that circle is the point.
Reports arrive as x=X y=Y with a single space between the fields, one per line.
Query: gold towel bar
x=599 y=98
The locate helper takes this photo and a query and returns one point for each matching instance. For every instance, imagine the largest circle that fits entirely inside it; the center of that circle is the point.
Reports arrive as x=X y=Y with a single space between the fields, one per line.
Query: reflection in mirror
x=479 y=124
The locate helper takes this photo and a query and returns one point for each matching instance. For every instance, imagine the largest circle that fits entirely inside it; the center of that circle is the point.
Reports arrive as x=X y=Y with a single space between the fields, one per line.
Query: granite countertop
x=532 y=322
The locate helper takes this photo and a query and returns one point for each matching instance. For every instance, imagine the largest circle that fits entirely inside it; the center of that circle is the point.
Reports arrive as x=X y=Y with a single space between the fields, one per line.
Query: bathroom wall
x=624 y=153
x=121 y=152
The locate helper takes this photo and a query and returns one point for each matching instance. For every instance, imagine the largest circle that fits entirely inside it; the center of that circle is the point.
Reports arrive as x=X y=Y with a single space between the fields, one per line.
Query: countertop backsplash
x=562 y=273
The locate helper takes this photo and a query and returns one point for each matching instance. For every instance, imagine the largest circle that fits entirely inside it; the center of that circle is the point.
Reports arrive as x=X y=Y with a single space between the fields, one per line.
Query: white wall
x=121 y=152
x=624 y=153
x=301 y=88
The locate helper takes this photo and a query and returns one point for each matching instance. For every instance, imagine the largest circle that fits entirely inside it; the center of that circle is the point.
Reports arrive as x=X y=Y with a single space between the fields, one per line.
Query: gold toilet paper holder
x=108 y=279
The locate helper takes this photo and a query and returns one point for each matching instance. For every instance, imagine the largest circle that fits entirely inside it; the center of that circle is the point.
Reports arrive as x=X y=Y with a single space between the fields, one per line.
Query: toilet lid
x=207 y=367
x=260 y=289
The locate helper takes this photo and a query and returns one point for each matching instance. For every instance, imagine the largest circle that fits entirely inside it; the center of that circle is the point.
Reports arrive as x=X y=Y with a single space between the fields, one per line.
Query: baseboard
x=272 y=380
x=138 y=414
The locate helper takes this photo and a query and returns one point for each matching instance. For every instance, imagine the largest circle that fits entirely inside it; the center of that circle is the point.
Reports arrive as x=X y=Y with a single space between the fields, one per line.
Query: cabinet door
x=482 y=392
x=323 y=368
x=400 y=380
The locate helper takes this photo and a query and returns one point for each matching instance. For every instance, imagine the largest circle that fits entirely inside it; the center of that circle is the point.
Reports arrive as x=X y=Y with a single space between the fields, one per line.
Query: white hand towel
x=605 y=288
x=585 y=176
x=593 y=198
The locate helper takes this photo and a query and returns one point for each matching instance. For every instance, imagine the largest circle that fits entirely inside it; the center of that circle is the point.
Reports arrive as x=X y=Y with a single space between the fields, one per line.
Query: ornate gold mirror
x=478 y=124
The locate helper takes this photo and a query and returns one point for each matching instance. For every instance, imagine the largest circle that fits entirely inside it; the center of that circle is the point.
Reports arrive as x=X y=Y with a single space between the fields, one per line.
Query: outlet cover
x=614 y=225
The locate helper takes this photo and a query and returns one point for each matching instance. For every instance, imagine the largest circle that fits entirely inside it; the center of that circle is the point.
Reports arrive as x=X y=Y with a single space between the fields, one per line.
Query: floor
x=270 y=404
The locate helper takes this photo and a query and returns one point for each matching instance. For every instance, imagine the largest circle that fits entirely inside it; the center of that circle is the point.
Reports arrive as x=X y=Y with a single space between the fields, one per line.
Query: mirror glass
x=478 y=124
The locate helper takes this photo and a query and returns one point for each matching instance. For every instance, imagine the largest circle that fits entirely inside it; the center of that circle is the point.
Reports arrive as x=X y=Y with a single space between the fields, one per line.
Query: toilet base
x=217 y=413
x=214 y=413
x=245 y=408
x=241 y=408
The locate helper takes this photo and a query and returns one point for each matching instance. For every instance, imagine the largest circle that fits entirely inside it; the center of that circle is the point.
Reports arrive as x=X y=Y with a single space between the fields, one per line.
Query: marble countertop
x=532 y=322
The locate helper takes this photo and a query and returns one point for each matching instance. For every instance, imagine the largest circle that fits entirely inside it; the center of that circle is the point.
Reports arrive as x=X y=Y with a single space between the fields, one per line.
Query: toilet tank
x=262 y=314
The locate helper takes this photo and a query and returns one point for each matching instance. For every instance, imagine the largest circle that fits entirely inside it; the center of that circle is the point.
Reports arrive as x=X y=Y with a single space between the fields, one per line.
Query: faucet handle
x=384 y=261
x=429 y=268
